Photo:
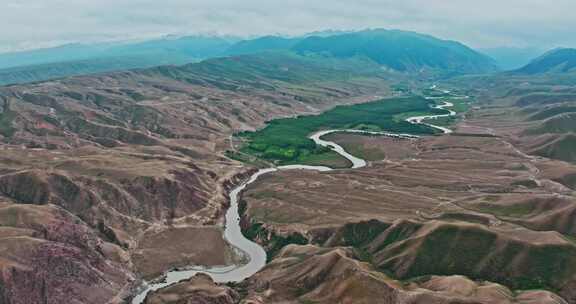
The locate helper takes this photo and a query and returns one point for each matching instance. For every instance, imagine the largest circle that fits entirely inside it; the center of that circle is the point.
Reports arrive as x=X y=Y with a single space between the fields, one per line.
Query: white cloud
x=26 y=23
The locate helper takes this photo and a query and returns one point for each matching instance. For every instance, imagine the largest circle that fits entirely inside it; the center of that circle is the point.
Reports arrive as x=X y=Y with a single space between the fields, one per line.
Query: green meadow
x=285 y=141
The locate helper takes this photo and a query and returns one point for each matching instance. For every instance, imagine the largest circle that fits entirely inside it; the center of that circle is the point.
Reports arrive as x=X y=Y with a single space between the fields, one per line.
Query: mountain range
x=555 y=61
x=512 y=58
x=391 y=49
x=79 y=59
x=109 y=180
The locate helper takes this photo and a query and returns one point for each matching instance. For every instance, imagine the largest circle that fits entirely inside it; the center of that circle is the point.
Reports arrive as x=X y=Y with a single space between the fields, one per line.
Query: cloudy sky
x=481 y=23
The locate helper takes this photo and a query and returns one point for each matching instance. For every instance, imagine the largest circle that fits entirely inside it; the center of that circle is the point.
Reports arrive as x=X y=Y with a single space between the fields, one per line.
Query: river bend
x=254 y=253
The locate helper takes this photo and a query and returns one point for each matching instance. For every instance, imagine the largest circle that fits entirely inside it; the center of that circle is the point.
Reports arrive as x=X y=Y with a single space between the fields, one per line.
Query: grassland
x=6 y=119
x=285 y=141
x=370 y=148
x=442 y=121
x=461 y=106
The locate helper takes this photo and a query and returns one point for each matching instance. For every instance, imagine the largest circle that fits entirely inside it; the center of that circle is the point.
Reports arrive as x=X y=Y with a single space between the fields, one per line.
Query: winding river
x=253 y=252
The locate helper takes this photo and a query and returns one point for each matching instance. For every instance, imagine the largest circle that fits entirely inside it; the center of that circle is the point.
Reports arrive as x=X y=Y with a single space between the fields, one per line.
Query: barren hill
x=133 y=164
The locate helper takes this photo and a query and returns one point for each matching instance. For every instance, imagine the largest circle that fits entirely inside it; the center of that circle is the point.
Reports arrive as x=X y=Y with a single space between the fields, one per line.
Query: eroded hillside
x=112 y=178
x=109 y=179
x=463 y=205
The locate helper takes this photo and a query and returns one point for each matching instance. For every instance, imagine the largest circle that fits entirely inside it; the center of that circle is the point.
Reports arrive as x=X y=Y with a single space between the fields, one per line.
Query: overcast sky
x=479 y=23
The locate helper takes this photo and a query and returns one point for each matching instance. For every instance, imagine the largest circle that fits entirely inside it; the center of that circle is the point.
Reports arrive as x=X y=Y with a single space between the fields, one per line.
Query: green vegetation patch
x=460 y=106
x=406 y=115
x=363 y=151
x=285 y=141
x=515 y=210
x=274 y=242
x=551 y=112
x=442 y=121
x=329 y=159
x=360 y=234
x=6 y=123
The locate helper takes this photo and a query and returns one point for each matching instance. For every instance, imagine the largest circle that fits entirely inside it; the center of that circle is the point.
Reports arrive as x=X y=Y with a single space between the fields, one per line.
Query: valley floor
x=460 y=218
x=109 y=180
x=462 y=204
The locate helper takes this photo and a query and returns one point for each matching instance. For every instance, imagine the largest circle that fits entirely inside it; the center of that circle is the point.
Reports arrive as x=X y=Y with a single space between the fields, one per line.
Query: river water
x=254 y=253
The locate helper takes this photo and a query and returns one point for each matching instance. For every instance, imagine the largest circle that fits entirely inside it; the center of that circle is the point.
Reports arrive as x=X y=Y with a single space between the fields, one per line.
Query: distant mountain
x=511 y=58
x=392 y=49
x=48 y=71
x=401 y=51
x=190 y=46
x=49 y=55
x=328 y=33
x=397 y=50
x=262 y=44
x=78 y=59
x=555 y=61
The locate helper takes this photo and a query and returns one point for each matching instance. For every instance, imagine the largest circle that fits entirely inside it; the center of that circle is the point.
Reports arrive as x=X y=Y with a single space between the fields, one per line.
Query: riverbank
x=233 y=231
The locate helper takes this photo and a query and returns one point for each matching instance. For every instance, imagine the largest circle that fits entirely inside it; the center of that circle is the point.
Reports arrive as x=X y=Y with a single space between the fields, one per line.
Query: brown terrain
x=197 y=290
x=319 y=275
x=463 y=218
x=310 y=274
x=109 y=179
